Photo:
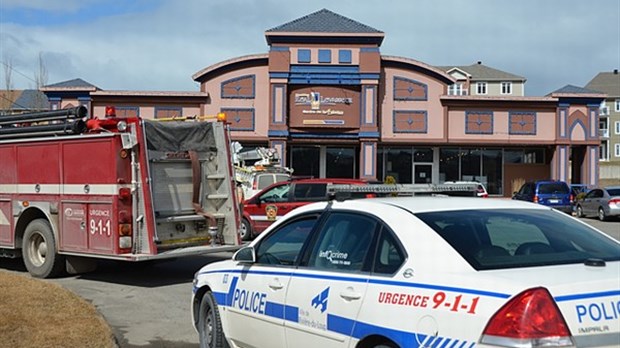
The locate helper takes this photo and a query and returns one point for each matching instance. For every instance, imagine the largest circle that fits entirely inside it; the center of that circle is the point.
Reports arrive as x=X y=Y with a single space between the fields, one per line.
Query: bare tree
x=40 y=78
x=8 y=97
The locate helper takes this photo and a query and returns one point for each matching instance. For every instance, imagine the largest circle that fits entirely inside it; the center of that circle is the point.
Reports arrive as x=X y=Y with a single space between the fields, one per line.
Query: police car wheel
x=246 y=230
x=209 y=324
x=39 y=250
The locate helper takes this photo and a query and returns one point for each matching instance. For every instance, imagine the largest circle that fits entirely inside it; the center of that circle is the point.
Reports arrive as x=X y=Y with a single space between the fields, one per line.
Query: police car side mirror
x=245 y=254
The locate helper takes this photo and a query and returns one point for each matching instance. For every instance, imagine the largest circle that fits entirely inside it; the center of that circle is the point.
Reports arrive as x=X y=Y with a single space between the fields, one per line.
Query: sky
x=157 y=45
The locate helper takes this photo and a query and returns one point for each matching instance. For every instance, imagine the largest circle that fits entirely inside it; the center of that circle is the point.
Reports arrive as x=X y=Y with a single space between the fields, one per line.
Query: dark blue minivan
x=555 y=194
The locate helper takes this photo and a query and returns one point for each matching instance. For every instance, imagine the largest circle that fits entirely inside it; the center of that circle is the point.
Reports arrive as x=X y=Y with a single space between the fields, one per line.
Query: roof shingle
x=324 y=21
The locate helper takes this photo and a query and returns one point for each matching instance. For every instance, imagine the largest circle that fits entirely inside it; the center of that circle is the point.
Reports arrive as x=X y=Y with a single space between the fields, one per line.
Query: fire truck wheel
x=209 y=324
x=39 y=250
x=246 y=230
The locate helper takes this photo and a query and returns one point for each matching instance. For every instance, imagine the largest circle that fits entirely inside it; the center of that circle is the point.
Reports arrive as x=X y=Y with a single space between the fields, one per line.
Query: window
x=603 y=153
x=516 y=238
x=127 y=111
x=310 y=192
x=344 y=243
x=481 y=88
x=283 y=246
x=617 y=150
x=303 y=56
x=325 y=56
x=617 y=127
x=277 y=194
x=168 y=112
x=456 y=89
x=617 y=105
x=344 y=57
x=390 y=255
x=506 y=88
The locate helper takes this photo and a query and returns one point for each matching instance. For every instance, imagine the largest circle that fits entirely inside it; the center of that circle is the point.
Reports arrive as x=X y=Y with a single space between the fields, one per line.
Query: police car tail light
x=531 y=319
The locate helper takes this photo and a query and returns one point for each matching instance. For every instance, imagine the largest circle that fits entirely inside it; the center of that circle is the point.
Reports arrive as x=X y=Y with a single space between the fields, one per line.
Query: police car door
x=257 y=312
x=326 y=292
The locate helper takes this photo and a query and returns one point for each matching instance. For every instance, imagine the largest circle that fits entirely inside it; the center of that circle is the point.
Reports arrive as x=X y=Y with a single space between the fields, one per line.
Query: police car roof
x=422 y=204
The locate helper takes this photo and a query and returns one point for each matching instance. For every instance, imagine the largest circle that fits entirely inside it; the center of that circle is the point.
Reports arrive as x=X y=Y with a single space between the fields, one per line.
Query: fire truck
x=75 y=189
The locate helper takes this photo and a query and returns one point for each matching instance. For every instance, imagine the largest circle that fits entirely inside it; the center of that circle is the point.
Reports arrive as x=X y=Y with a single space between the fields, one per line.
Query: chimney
x=615 y=71
x=479 y=62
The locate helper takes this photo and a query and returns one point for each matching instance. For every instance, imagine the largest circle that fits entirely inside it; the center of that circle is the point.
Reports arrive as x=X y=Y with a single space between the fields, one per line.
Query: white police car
x=440 y=272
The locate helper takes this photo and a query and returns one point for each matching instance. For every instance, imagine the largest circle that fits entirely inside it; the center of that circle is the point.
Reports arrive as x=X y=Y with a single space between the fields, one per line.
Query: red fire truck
x=74 y=190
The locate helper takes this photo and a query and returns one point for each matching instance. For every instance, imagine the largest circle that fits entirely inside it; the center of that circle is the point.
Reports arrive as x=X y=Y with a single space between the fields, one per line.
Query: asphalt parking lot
x=148 y=305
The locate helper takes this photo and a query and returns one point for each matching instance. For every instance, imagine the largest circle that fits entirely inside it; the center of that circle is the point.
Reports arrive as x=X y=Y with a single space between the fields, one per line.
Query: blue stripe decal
x=275 y=310
x=368 y=280
x=590 y=295
x=291 y=314
x=220 y=298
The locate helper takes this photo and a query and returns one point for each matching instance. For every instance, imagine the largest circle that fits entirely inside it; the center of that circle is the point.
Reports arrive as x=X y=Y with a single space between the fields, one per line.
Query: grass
x=35 y=313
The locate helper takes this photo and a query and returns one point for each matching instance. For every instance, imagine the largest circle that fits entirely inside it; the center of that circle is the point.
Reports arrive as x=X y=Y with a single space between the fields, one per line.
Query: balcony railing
x=603 y=133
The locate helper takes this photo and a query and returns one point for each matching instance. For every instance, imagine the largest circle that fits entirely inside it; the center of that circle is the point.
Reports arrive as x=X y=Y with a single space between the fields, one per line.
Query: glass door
x=422 y=173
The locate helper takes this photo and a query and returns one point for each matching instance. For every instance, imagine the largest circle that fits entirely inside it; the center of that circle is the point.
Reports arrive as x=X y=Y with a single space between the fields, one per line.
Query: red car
x=276 y=200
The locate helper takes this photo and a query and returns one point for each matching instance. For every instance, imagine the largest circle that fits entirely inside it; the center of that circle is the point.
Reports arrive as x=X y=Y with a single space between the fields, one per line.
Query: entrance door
x=422 y=173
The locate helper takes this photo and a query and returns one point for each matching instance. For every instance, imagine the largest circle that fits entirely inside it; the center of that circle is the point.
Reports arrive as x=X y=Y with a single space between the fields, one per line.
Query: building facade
x=609 y=124
x=333 y=106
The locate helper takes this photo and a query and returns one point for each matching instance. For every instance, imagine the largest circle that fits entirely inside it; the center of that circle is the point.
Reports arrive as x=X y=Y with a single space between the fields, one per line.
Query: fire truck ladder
x=44 y=123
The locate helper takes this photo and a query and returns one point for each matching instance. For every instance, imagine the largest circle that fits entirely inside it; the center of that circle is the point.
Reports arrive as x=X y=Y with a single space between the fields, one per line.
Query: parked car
x=481 y=190
x=274 y=201
x=601 y=202
x=415 y=272
x=555 y=194
x=256 y=181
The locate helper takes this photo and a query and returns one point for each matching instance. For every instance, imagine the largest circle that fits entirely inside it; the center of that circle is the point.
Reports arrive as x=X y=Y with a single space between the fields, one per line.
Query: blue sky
x=159 y=44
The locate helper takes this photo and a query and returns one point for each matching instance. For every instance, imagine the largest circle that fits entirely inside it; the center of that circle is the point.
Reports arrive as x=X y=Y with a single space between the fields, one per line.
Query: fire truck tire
x=39 y=250
x=246 y=230
x=209 y=324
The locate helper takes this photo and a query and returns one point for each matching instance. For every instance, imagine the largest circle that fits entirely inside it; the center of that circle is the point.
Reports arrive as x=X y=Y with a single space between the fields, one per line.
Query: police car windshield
x=514 y=238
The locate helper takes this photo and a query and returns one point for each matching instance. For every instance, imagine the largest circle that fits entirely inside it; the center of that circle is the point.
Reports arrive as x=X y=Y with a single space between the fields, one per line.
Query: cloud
x=158 y=45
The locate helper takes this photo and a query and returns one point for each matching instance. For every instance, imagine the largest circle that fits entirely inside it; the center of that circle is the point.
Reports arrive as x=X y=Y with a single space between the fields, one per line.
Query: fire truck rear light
x=530 y=319
x=124 y=229
x=124 y=193
x=124 y=242
x=124 y=217
x=123 y=153
x=25 y=204
x=221 y=117
x=110 y=111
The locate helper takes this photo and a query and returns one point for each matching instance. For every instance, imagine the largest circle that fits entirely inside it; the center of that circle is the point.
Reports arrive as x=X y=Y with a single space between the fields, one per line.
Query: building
x=609 y=121
x=333 y=106
x=27 y=100
x=479 y=79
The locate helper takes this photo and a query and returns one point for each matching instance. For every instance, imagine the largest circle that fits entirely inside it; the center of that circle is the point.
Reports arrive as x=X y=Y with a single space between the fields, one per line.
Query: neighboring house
x=145 y=104
x=609 y=123
x=18 y=101
x=479 y=79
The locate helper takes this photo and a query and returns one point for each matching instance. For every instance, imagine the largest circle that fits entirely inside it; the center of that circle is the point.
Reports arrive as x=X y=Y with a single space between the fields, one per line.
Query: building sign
x=324 y=106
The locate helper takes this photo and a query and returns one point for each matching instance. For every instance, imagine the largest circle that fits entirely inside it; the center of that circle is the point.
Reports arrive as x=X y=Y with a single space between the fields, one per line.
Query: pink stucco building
x=333 y=106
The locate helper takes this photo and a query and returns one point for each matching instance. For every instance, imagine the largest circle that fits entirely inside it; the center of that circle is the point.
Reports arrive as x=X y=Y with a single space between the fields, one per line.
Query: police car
x=445 y=272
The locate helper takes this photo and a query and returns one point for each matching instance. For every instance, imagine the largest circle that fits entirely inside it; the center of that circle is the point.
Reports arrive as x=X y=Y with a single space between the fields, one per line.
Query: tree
x=40 y=78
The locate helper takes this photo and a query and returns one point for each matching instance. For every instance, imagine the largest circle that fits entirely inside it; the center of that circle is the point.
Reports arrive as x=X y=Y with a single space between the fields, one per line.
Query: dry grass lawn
x=35 y=313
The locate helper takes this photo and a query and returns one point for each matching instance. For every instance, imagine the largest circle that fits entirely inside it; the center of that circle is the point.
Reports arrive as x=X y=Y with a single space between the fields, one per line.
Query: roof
x=22 y=100
x=75 y=84
x=606 y=82
x=571 y=91
x=479 y=71
x=324 y=21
